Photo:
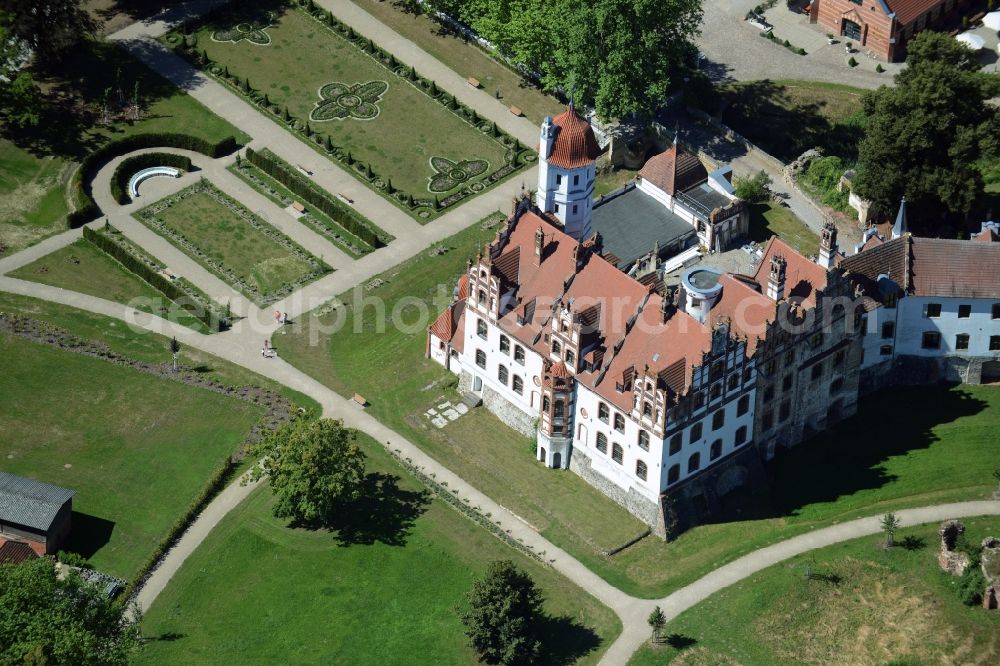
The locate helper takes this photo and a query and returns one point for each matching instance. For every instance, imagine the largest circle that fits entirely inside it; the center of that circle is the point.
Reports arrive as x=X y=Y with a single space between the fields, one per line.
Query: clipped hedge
x=155 y=279
x=133 y=165
x=336 y=211
x=87 y=209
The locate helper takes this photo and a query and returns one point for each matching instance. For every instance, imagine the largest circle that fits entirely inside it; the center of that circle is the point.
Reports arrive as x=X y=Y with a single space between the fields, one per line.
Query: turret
x=567 y=152
x=776 y=279
x=827 y=246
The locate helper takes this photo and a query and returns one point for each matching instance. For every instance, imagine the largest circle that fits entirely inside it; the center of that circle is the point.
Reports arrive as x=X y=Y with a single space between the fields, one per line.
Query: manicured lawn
x=135 y=448
x=864 y=605
x=786 y=118
x=35 y=164
x=32 y=195
x=258 y=591
x=768 y=220
x=465 y=59
x=143 y=345
x=304 y=56
x=232 y=242
x=869 y=464
x=84 y=268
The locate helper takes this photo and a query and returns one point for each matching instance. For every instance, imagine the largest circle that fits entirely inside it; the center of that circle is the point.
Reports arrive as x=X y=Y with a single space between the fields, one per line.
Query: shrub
x=971 y=586
x=755 y=189
x=284 y=174
x=852 y=62
x=879 y=68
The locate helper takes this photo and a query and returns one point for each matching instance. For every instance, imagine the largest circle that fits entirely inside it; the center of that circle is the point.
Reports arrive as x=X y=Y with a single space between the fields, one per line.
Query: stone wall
x=508 y=412
x=639 y=506
x=917 y=370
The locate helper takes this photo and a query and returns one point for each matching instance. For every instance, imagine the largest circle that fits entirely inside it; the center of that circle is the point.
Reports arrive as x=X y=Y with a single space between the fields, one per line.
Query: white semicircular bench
x=133 y=182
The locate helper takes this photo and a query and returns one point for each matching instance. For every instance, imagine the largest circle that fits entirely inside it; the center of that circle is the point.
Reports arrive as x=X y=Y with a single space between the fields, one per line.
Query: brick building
x=883 y=27
x=34 y=514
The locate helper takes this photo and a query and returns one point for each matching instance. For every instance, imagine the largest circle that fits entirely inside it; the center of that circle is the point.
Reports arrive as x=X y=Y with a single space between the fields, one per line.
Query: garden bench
x=346 y=199
x=474 y=82
x=516 y=111
x=297 y=207
x=133 y=182
x=360 y=399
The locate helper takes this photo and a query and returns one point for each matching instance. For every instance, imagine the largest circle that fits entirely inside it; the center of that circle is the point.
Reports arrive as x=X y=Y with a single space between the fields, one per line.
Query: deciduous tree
x=20 y=99
x=51 y=27
x=501 y=619
x=889 y=524
x=925 y=135
x=45 y=620
x=313 y=467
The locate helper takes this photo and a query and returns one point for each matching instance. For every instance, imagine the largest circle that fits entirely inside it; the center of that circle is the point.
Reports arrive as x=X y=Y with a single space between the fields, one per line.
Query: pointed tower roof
x=900 y=227
x=575 y=144
x=674 y=170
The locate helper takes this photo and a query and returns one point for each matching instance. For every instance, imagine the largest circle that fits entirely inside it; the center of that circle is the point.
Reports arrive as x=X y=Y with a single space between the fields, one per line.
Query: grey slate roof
x=30 y=503
x=630 y=224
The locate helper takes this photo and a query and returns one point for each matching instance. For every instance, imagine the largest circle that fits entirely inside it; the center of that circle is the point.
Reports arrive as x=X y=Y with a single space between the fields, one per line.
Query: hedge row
x=155 y=279
x=211 y=489
x=133 y=165
x=336 y=211
x=87 y=209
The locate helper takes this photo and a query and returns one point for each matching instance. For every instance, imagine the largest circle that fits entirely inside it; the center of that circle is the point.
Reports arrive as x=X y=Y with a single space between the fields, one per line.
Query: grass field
x=304 y=56
x=869 y=464
x=786 y=118
x=465 y=59
x=143 y=345
x=35 y=164
x=863 y=605
x=768 y=220
x=218 y=233
x=84 y=268
x=135 y=448
x=259 y=592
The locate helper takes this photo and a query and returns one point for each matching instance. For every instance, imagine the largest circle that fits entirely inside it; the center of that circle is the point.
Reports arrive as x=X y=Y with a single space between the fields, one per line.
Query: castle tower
x=555 y=422
x=827 y=246
x=567 y=150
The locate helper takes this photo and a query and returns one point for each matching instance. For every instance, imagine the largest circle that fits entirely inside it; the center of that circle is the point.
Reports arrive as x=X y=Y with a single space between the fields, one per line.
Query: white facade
x=567 y=193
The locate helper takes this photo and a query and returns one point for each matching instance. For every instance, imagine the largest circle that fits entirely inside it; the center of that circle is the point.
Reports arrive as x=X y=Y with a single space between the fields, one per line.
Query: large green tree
x=314 y=466
x=501 y=620
x=45 y=620
x=20 y=99
x=51 y=27
x=617 y=55
x=925 y=136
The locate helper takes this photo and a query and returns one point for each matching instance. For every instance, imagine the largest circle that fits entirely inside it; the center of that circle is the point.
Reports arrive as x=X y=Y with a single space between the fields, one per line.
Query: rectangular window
x=964 y=311
x=785 y=412
x=576 y=180
x=558 y=179
x=962 y=342
x=838 y=358
x=816 y=340
x=695 y=433
x=789 y=357
x=480 y=358
x=888 y=330
x=519 y=354
x=767 y=421
x=933 y=310
x=603 y=412
x=786 y=383
x=995 y=311
x=931 y=340
x=769 y=394
x=481 y=329
x=995 y=343
x=885 y=350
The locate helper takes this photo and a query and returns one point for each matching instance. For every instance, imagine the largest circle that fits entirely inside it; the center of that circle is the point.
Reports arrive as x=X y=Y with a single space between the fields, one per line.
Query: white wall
x=912 y=322
x=531 y=368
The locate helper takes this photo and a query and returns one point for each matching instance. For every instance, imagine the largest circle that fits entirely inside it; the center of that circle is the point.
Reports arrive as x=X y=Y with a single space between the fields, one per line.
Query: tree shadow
x=167 y=636
x=565 y=641
x=679 y=641
x=851 y=456
x=831 y=578
x=383 y=512
x=88 y=534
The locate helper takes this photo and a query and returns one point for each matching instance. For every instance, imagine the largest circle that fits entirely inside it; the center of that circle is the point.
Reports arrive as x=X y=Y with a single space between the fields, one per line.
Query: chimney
x=827 y=246
x=539 y=245
x=776 y=279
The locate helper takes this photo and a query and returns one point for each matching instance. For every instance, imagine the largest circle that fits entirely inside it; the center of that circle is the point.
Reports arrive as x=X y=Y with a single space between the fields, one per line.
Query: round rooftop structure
x=701 y=291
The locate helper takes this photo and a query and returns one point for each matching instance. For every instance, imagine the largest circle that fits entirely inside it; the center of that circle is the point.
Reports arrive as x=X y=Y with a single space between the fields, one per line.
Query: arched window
x=673 y=474
x=719 y=419
x=502 y=374
x=504 y=344
x=675 y=443
x=695 y=432
x=640 y=469
x=517 y=385
x=716 y=450
x=617 y=454
x=743 y=406
x=546 y=404
x=602 y=442
x=480 y=358
x=741 y=435
x=519 y=354
x=694 y=462
x=619 y=422
x=481 y=328
x=644 y=440
x=560 y=409
x=602 y=412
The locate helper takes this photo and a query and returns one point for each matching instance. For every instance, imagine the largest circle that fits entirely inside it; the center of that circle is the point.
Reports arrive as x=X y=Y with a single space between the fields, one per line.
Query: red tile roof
x=802 y=276
x=910 y=10
x=674 y=170
x=575 y=144
x=747 y=310
x=986 y=236
x=15 y=552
